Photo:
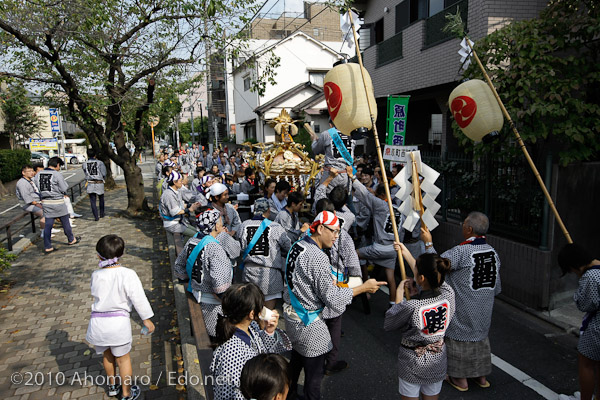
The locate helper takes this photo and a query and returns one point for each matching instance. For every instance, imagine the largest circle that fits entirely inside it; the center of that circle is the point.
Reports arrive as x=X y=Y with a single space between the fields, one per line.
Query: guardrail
x=11 y=231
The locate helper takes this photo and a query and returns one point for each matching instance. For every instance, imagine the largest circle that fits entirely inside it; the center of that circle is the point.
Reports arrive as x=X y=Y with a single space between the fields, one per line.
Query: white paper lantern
x=346 y=99
x=476 y=110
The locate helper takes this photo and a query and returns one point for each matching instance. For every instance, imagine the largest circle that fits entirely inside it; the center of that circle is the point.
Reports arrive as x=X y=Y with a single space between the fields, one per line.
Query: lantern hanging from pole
x=347 y=100
x=476 y=110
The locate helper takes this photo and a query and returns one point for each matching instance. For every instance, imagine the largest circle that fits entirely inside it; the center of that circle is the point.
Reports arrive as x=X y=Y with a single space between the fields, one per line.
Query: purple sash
x=98 y=314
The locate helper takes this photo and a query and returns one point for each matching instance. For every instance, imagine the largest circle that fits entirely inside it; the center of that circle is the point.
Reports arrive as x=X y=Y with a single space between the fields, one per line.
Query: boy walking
x=116 y=289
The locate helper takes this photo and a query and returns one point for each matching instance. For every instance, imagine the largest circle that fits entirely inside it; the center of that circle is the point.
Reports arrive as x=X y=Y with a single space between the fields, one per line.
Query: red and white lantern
x=476 y=110
x=347 y=100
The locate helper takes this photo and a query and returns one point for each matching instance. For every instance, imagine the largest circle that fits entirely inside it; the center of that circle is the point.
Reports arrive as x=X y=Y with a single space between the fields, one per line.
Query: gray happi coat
x=308 y=273
x=53 y=188
x=265 y=263
x=422 y=320
x=27 y=193
x=94 y=170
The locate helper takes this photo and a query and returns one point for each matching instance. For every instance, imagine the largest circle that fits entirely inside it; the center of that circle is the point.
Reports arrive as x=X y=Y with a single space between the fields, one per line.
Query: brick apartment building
x=317 y=21
x=406 y=53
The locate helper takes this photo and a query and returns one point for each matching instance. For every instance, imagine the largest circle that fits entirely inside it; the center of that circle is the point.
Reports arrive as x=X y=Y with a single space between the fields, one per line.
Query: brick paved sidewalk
x=44 y=316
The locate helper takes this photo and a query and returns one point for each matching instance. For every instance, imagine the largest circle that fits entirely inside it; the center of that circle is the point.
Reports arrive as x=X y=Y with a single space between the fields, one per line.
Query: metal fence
x=434 y=24
x=389 y=50
x=505 y=189
x=13 y=228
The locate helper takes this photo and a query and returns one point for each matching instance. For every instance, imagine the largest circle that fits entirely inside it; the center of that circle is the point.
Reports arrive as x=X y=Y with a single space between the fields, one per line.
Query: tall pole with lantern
x=153 y=121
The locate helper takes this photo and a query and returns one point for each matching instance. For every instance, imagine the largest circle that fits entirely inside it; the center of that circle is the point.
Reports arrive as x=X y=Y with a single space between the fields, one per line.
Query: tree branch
x=156 y=68
x=29 y=78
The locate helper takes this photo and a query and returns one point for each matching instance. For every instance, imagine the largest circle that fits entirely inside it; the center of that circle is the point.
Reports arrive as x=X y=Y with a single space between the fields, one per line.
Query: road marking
x=514 y=372
x=70 y=176
x=8 y=209
x=525 y=379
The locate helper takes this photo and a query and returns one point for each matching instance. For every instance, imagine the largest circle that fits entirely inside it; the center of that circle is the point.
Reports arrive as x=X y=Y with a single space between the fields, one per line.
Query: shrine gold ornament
x=346 y=99
x=476 y=110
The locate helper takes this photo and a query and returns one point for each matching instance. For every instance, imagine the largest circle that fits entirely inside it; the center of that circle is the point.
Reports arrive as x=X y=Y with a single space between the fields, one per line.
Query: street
x=538 y=360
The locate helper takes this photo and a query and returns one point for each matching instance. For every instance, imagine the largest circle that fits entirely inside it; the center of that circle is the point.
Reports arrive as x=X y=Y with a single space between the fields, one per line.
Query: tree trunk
x=136 y=197
x=109 y=181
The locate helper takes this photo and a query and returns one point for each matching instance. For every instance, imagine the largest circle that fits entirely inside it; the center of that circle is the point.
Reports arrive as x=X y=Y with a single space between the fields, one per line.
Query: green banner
x=397 y=112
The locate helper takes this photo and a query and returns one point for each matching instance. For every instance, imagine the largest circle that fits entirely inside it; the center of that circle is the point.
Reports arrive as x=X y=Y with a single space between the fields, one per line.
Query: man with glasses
x=311 y=290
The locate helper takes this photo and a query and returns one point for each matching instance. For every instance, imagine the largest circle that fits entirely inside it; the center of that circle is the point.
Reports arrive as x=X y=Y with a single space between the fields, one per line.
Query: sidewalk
x=44 y=316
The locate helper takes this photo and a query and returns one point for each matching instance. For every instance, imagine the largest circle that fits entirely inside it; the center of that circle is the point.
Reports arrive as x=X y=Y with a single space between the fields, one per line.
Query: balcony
x=435 y=23
x=389 y=50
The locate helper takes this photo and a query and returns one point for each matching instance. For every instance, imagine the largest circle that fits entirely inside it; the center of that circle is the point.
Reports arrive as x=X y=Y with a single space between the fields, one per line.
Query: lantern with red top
x=346 y=99
x=476 y=110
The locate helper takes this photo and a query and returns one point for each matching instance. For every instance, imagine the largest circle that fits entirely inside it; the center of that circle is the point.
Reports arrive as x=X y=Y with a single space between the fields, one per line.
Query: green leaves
x=548 y=76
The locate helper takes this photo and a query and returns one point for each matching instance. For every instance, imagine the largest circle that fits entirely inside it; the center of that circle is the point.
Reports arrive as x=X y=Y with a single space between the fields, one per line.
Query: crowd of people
x=305 y=264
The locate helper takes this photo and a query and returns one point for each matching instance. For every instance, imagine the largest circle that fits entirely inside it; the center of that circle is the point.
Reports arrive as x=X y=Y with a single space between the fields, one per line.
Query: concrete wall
x=525 y=270
x=529 y=275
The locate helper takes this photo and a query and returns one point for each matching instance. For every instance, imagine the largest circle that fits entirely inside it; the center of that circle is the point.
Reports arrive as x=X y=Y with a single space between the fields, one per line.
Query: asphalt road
x=533 y=354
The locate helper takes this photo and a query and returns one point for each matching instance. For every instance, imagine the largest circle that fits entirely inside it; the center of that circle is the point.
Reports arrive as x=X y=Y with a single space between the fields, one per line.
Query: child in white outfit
x=116 y=289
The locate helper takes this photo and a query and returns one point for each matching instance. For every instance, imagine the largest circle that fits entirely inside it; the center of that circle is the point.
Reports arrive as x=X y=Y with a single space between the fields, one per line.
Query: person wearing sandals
x=422 y=321
x=475 y=278
x=116 y=290
x=53 y=190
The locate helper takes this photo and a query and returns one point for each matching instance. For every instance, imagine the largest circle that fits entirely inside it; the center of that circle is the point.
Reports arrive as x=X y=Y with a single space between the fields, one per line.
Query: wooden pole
x=379 y=155
x=152 y=129
x=521 y=145
x=418 y=198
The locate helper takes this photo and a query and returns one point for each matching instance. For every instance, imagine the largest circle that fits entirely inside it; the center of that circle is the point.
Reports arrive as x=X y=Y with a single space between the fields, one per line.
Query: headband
x=207 y=220
x=174 y=176
x=326 y=218
x=106 y=262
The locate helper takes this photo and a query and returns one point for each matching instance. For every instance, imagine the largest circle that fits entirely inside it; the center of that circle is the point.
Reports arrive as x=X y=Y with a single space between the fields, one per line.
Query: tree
x=547 y=72
x=200 y=127
x=20 y=119
x=105 y=59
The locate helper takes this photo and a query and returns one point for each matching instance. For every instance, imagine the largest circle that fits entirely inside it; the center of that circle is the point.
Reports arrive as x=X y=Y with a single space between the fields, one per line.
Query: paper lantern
x=346 y=99
x=476 y=110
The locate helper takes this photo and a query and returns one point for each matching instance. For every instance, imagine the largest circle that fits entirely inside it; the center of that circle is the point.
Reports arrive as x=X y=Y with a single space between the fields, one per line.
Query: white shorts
x=117 y=351
x=408 y=389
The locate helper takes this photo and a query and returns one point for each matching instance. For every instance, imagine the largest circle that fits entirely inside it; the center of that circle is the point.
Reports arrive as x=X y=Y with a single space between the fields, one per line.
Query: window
x=365 y=37
x=317 y=128
x=316 y=32
x=246 y=83
x=378 y=31
x=317 y=78
x=250 y=131
x=409 y=11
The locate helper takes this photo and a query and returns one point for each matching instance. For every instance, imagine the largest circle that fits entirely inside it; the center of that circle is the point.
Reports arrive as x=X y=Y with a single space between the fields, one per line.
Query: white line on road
x=516 y=373
x=8 y=209
x=67 y=177
x=525 y=379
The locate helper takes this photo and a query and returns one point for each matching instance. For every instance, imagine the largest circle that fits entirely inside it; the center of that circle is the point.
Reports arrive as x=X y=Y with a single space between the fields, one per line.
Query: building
x=318 y=21
x=407 y=53
x=303 y=63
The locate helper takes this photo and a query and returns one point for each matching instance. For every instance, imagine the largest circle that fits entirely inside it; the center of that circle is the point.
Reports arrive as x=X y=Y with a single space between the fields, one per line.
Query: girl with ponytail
x=242 y=334
x=422 y=322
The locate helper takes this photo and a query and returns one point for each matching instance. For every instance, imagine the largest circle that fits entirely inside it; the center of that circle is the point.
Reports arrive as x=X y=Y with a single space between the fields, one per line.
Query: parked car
x=75 y=158
x=38 y=158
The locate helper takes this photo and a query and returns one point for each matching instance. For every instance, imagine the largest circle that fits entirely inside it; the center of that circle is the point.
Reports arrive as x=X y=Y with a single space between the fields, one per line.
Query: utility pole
x=201 y=134
x=192 y=115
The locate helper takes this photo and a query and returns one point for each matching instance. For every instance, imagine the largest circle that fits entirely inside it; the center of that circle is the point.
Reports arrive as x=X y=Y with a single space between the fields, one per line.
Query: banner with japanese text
x=397 y=112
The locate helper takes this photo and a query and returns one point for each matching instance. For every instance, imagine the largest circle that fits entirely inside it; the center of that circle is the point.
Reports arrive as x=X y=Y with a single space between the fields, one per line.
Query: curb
x=188 y=343
x=568 y=328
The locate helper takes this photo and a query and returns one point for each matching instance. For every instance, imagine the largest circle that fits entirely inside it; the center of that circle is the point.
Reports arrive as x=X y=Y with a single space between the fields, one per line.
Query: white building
x=304 y=61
